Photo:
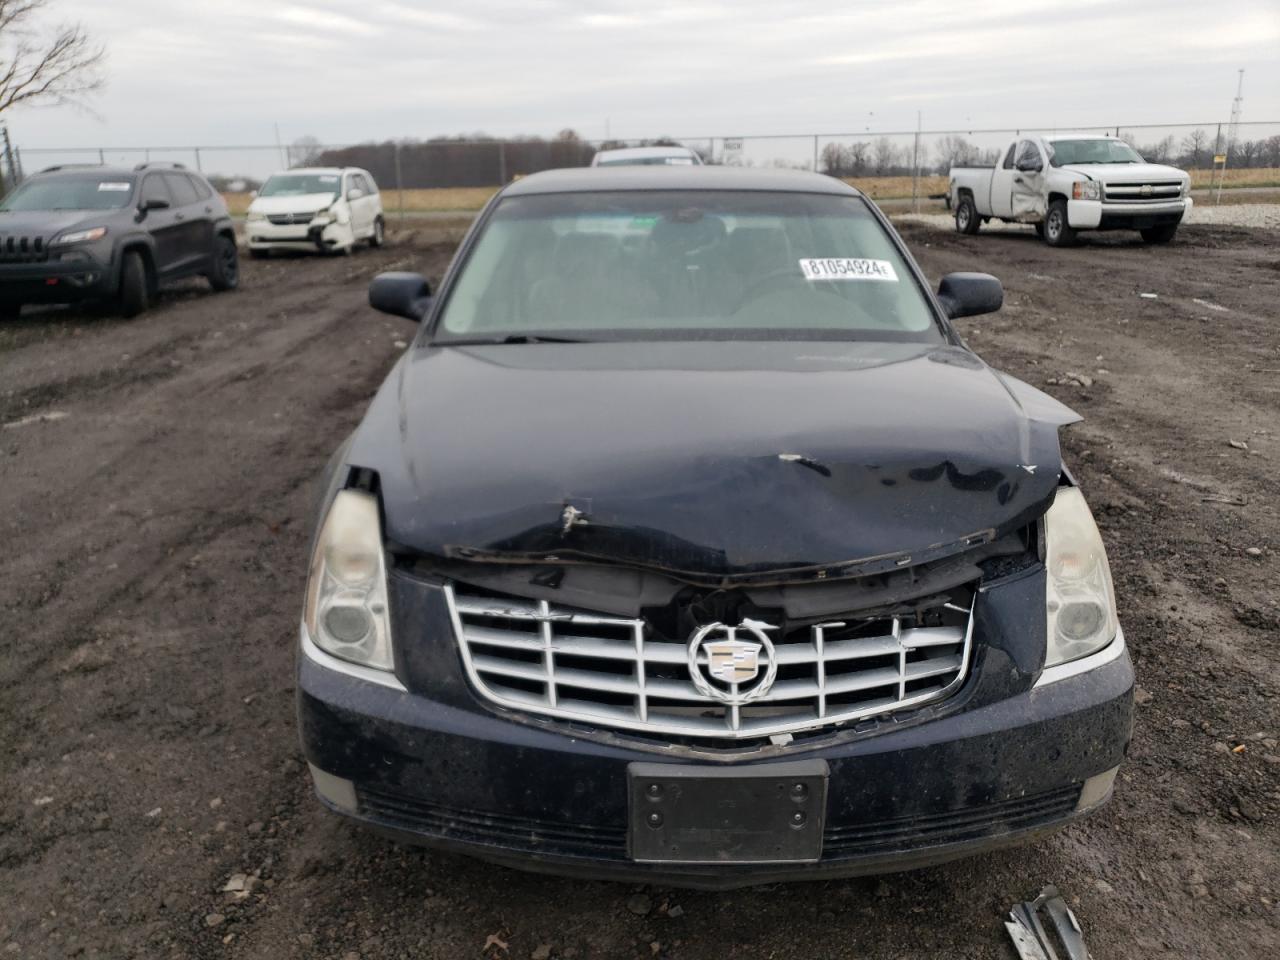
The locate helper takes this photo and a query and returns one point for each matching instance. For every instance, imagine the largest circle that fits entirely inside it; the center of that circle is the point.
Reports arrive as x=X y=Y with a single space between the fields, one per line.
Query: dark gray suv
x=76 y=233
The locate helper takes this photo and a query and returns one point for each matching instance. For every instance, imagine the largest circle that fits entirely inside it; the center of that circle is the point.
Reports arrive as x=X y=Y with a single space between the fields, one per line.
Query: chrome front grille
x=1156 y=191
x=547 y=660
x=290 y=219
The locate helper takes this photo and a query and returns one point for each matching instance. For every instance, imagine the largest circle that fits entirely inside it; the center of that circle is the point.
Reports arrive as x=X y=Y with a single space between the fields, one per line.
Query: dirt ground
x=156 y=487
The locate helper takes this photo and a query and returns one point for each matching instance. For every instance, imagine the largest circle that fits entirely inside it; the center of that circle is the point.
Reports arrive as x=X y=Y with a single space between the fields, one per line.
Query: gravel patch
x=1233 y=215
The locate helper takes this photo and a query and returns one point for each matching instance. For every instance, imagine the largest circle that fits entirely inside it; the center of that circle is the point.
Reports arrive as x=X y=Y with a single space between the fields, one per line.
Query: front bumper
x=1101 y=215
x=265 y=235
x=57 y=280
x=551 y=797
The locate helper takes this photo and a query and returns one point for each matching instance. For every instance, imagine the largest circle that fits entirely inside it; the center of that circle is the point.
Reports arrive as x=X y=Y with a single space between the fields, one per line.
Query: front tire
x=225 y=274
x=967 y=220
x=135 y=287
x=1057 y=231
x=379 y=235
x=1161 y=234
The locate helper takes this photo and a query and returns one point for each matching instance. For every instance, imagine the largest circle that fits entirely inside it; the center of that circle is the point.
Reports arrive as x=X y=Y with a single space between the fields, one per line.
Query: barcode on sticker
x=847 y=268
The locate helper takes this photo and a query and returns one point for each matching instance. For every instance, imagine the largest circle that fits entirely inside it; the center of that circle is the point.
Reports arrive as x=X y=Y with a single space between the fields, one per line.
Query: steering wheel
x=753 y=287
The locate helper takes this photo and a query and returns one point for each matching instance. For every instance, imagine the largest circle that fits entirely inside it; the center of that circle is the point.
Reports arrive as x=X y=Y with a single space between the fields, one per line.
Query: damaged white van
x=329 y=209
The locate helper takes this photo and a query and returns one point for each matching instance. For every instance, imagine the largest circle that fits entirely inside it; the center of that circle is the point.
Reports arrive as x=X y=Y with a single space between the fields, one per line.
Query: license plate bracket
x=686 y=813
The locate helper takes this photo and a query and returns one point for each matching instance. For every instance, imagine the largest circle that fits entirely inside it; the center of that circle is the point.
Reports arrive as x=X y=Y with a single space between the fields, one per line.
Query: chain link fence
x=898 y=166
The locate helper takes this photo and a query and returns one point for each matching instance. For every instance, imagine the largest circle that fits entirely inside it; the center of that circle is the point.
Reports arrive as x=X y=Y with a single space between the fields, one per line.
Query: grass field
x=458 y=199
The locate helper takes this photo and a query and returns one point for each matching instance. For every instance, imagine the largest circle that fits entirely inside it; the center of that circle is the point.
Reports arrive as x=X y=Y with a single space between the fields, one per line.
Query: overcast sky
x=185 y=72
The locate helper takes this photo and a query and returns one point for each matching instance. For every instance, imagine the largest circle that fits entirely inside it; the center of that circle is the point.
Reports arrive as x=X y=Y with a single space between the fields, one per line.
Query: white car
x=647 y=156
x=329 y=209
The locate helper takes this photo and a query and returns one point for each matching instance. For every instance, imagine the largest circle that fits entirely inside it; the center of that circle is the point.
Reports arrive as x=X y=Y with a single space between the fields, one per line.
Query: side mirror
x=401 y=295
x=1030 y=167
x=155 y=203
x=355 y=193
x=970 y=294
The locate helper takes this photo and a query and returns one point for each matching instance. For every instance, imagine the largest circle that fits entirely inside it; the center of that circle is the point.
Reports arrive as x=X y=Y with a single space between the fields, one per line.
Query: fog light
x=1096 y=790
x=1080 y=619
x=337 y=791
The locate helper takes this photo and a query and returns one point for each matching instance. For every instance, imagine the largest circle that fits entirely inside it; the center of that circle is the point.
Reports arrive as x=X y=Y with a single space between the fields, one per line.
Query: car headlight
x=346 y=607
x=1086 y=190
x=1080 y=597
x=323 y=219
x=82 y=236
x=255 y=215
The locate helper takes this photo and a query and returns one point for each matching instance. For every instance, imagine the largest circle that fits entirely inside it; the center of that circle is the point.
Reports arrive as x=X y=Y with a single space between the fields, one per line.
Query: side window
x=203 y=190
x=153 y=188
x=358 y=183
x=1008 y=157
x=369 y=186
x=1029 y=155
x=181 y=189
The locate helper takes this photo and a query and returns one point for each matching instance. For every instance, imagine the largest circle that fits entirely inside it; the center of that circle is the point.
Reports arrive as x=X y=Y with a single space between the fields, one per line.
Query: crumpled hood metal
x=1127 y=172
x=711 y=459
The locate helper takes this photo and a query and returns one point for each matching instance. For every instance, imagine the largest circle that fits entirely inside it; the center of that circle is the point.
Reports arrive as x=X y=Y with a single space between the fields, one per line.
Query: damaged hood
x=293 y=203
x=709 y=459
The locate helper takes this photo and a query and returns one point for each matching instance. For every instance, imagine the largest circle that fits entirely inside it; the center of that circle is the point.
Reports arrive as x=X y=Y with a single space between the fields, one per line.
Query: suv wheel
x=135 y=292
x=225 y=274
x=1057 y=232
x=379 y=236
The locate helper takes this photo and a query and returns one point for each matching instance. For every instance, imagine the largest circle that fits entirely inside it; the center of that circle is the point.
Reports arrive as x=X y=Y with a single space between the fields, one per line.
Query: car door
x=358 y=201
x=1027 y=194
x=161 y=223
x=1002 y=183
x=372 y=199
x=193 y=225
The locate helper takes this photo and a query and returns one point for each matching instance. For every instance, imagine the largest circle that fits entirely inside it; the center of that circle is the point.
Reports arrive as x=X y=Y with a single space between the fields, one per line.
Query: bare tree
x=1193 y=147
x=305 y=152
x=56 y=65
x=885 y=155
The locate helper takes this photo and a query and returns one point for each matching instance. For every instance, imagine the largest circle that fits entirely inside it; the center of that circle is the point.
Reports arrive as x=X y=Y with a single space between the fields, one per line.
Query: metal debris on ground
x=1032 y=939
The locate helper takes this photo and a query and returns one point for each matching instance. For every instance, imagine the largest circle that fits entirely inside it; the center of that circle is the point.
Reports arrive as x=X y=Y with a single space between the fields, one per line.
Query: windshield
x=300 y=184
x=683 y=265
x=95 y=192
x=1062 y=152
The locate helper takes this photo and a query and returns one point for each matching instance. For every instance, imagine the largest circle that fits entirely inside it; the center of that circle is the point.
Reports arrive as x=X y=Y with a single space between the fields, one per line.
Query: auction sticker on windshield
x=115 y=186
x=845 y=268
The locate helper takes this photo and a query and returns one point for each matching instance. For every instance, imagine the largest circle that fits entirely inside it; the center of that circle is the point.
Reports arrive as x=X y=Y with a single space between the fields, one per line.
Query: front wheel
x=1057 y=231
x=379 y=236
x=1161 y=234
x=135 y=286
x=967 y=220
x=225 y=274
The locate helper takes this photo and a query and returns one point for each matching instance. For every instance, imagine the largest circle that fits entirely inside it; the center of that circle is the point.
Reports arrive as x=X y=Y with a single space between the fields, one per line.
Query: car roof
x=281 y=173
x=595 y=179
x=1051 y=137
x=669 y=151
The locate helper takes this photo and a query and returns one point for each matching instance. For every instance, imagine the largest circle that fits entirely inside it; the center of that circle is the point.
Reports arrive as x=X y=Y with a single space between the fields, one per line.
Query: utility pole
x=1232 y=129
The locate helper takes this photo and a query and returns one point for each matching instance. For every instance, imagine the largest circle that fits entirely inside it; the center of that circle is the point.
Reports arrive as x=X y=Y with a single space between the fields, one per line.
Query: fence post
x=815 y=153
x=198 y=166
x=102 y=159
x=915 y=174
x=399 y=184
x=502 y=163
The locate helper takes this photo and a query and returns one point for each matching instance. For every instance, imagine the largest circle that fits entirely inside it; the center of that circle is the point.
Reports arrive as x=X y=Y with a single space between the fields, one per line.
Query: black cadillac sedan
x=689 y=542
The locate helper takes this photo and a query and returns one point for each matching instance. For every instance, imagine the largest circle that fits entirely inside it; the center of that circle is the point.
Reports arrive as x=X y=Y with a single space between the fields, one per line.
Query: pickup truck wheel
x=135 y=286
x=1057 y=232
x=1159 y=234
x=967 y=220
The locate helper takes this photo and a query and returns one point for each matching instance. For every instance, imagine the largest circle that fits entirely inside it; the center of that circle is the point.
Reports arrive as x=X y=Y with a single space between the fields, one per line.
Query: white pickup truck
x=1067 y=183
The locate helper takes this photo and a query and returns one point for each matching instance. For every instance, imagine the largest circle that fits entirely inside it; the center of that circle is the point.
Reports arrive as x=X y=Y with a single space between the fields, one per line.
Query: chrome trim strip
x=330 y=662
x=1063 y=671
x=639 y=718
